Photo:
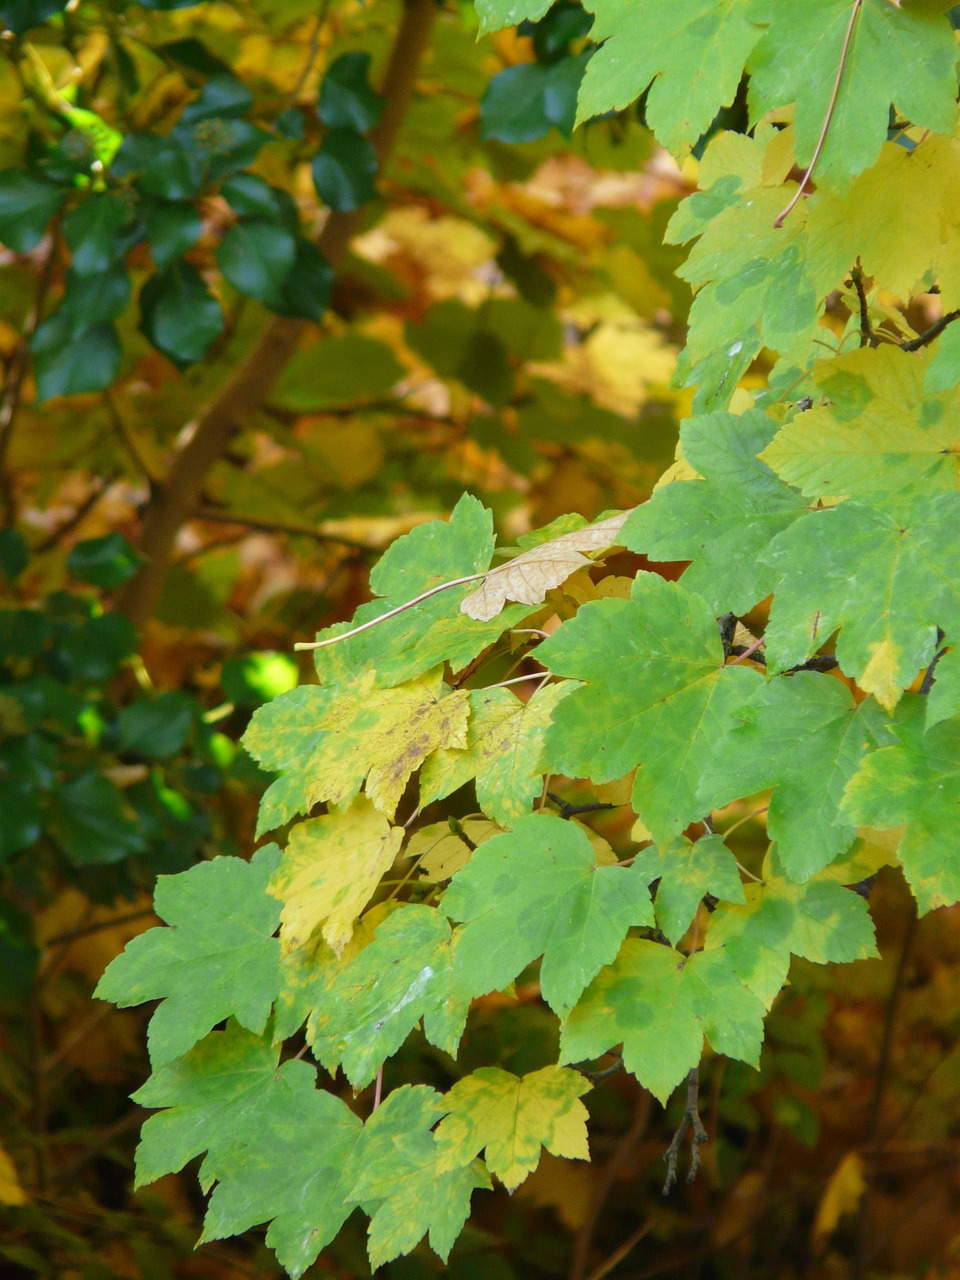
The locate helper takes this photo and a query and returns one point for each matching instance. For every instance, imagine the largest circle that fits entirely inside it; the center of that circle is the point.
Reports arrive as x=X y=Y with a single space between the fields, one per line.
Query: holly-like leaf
x=658 y=696
x=345 y=170
x=916 y=782
x=276 y=1145
x=256 y=257
x=371 y=1005
x=529 y=576
x=534 y=891
x=179 y=316
x=821 y=921
x=329 y=740
x=660 y=42
x=660 y=1004
x=397 y=1178
x=805 y=736
x=512 y=1118
x=897 y=55
x=688 y=871
x=218 y=958
x=346 y=99
x=880 y=433
x=875 y=573
x=330 y=870
x=722 y=521
x=504 y=741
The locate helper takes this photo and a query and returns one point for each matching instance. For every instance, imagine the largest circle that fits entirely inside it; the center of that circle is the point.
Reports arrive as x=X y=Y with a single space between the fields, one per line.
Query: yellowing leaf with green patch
x=513 y=1117
x=329 y=872
x=504 y=741
x=878 y=432
x=328 y=740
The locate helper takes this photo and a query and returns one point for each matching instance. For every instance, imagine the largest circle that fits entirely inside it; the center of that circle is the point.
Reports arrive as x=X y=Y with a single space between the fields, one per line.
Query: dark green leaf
x=289 y=124
x=525 y=102
x=22 y=15
x=346 y=98
x=92 y=231
x=92 y=822
x=23 y=632
x=67 y=367
x=178 y=315
x=27 y=204
x=161 y=166
x=345 y=170
x=194 y=55
x=256 y=257
x=106 y=562
x=14 y=555
x=309 y=285
x=95 y=650
x=172 y=228
x=94 y=299
x=222 y=97
x=20 y=816
x=157 y=727
x=250 y=197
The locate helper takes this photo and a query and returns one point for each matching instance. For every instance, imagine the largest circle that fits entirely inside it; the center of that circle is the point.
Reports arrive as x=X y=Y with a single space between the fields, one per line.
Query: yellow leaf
x=513 y=1117
x=529 y=576
x=11 y=1192
x=842 y=1195
x=444 y=851
x=329 y=871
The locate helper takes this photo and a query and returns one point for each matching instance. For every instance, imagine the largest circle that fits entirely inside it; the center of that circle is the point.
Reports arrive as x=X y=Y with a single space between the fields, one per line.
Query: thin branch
x=313 y=48
x=928 y=335
x=127 y=439
x=59 y=939
x=214 y=516
x=56 y=536
x=605 y=1072
x=927 y=683
x=689 y=1121
x=620 y=1253
x=748 y=652
x=574 y=810
x=867 y=336
x=831 y=107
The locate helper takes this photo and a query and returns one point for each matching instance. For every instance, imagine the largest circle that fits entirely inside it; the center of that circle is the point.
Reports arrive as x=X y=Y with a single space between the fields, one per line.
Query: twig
x=100 y=487
x=867 y=336
x=928 y=335
x=690 y=1120
x=927 y=683
x=619 y=1254
x=605 y=1072
x=128 y=441
x=312 y=50
x=215 y=516
x=532 y=675
x=60 y=938
x=857 y=6
x=568 y=810
x=378 y=1088
x=748 y=652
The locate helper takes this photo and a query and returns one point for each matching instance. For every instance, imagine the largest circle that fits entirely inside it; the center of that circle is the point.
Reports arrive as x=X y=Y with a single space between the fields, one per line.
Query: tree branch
x=867 y=336
x=215 y=516
x=690 y=1120
x=928 y=335
x=249 y=385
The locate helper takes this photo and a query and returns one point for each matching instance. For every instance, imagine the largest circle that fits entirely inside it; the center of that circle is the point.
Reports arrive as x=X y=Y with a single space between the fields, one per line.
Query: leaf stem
x=689 y=1120
x=302 y=646
x=831 y=107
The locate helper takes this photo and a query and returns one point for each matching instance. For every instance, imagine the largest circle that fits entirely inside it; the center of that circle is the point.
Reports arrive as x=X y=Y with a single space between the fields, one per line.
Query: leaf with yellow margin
x=329 y=871
x=513 y=1118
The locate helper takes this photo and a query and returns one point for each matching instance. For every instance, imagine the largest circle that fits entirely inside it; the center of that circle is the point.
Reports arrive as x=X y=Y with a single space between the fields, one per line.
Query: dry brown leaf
x=529 y=576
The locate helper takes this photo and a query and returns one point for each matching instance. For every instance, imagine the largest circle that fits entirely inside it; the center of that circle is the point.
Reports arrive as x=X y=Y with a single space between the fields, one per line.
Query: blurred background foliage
x=503 y=319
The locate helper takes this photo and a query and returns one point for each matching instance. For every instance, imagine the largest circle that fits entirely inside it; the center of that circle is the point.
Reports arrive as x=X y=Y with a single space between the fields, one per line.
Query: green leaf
x=108 y=561
x=350 y=369
x=538 y=891
x=93 y=299
x=67 y=364
x=95 y=650
x=256 y=256
x=331 y=740
x=218 y=959
x=903 y=56
x=943 y=700
x=396 y=1176
x=723 y=521
x=512 y=1118
x=255 y=678
x=346 y=99
x=805 y=736
x=20 y=16
x=27 y=203
x=876 y=574
x=250 y=197
x=821 y=921
x=308 y=286
x=658 y=696
x=178 y=315
x=879 y=434
x=943 y=371
x=157 y=727
x=14 y=556
x=526 y=101
x=495 y=14
x=688 y=871
x=172 y=228
x=345 y=170
x=916 y=782
x=504 y=742
x=92 y=231
x=661 y=41
x=660 y=1004
x=371 y=1005
x=222 y=97
x=92 y=822
x=21 y=818
x=160 y=165
x=276 y=1145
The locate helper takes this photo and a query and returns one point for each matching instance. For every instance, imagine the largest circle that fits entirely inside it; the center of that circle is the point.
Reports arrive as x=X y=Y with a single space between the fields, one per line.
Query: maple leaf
x=662 y=41
x=879 y=577
x=805 y=736
x=820 y=920
x=330 y=870
x=880 y=433
x=276 y=1145
x=444 y=847
x=658 y=696
x=916 y=782
x=895 y=56
x=512 y=1118
x=218 y=957
x=396 y=1177
x=687 y=871
x=529 y=576
x=371 y=1005
x=329 y=739
x=943 y=699
x=660 y=1004
x=722 y=521
x=537 y=890
x=504 y=741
